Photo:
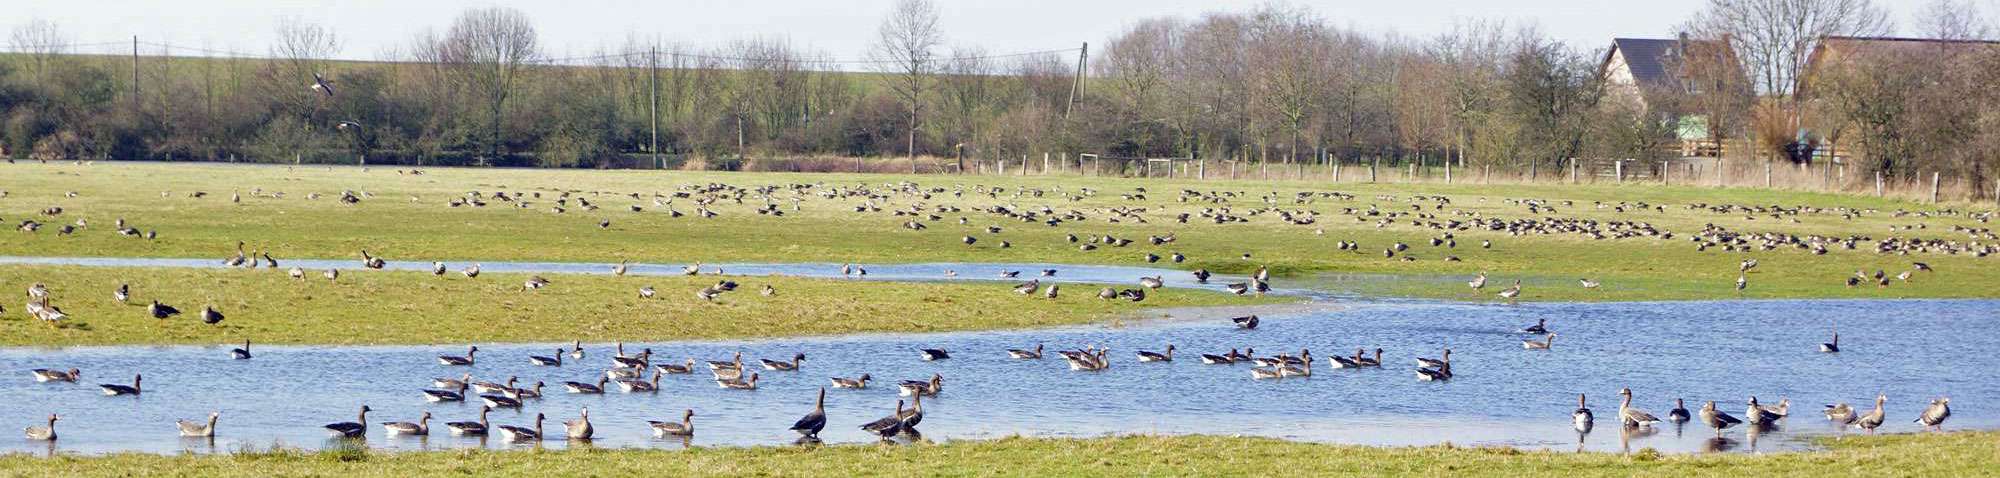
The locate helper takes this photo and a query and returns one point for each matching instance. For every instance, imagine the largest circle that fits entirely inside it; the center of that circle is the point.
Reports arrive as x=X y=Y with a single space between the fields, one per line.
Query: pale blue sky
x=842 y=28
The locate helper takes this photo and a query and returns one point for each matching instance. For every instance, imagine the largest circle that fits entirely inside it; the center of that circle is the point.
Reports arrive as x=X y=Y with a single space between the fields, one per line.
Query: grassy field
x=390 y=307
x=1953 y=454
x=407 y=219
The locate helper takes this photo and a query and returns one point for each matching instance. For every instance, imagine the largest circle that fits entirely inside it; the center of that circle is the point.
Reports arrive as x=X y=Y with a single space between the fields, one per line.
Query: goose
x=1717 y=419
x=296 y=273
x=619 y=270
x=241 y=353
x=523 y=434
x=549 y=361
x=321 y=85
x=437 y=269
x=1154 y=282
x=1833 y=346
x=454 y=395
x=738 y=384
x=1304 y=369
x=458 y=360
x=1543 y=344
x=1588 y=284
x=420 y=428
x=1935 y=414
x=1028 y=287
x=647 y=292
x=1201 y=276
x=1224 y=359
x=912 y=388
x=1346 y=362
x=1874 y=418
x=269 y=263
x=50 y=375
x=528 y=392
x=636 y=386
x=768 y=291
x=1238 y=288
x=1369 y=362
x=1089 y=362
x=500 y=401
x=887 y=426
x=210 y=316
x=576 y=350
x=449 y=383
x=1758 y=415
x=471 y=272
x=1541 y=327
x=491 y=387
x=735 y=362
x=353 y=429
x=38 y=291
x=534 y=283
x=579 y=429
x=1633 y=417
x=677 y=368
x=691 y=269
x=123 y=294
x=371 y=262
x=1741 y=283
x=1434 y=363
x=1478 y=282
x=797 y=360
x=162 y=311
x=48 y=432
x=116 y=389
x=915 y=415
x=726 y=374
x=1840 y=414
x=1168 y=356
x=585 y=388
x=1266 y=373
x=815 y=420
x=681 y=429
x=1511 y=292
x=1035 y=354
x=1245 y=322
x=1679 y=414
x=1582 y=419
x=331 y=275
x=934 y=354
x=854 y=383
x=239 y=259
x=477 y=428
x=1436 y=374
x=1053 y=291
x=191 y=428
x=642 y=360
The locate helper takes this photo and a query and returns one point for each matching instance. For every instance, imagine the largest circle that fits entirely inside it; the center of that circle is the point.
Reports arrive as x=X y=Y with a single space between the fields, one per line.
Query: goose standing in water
x=1543 y=344
x=934 y=354
x=579 y=429
x=477 y=428
x=458 y=360
x=1035 y=354
x=854 y=383
x=587 y=389
x=683 y=428
x=51 y=375
x=353 y=429
x=1633 y=417
x=523 y=434
x=1679 y=414
x=48 y=432
x=915 y=415
x=421 y=427
x=797 y=360
x=116 y=389
x=576 y=350
x=1717 y=419
x=1875 y=417
x=809 y=426
x=1582 y=419
x=1840 y=414
x=1541 y=327
x=549 y=361
x=1833 y=346
x=1758 y=415
x=888 y=426
x=190 y=428
x=1168 y=356
x=1935 y=414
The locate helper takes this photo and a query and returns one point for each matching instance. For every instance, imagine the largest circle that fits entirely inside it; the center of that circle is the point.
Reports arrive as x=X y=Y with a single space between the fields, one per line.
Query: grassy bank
x=1954 y=454
x=406 y=218
x=388 y=307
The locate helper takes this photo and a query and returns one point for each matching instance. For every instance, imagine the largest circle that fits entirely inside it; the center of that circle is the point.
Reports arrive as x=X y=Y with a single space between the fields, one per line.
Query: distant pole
x=1934 y=187
x=135 y=76
x=653 y=103
x=1076 y=84
x=1878 y=183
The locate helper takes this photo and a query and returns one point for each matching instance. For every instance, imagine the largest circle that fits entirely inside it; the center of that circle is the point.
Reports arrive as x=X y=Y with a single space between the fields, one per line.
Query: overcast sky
x=842 y=28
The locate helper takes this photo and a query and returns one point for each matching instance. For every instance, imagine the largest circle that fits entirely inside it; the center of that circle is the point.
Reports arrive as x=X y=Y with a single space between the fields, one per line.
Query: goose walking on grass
x=554 y=360
x=52 y=375
x=514 y=433
x=682 y=428
x=123 y=294
x=331 y=275
x=1633 y=417
x=1168 y=356
x=467 y=359
x=888 y=426
x=580 y=428
x=809 y=426
x=191 y=428
x=1035 y=354
x=241 y=353
x=1511 y=292
x=1717 y=419
x=477 y=428
x=421 y=427
x=853 y=383
x=1543 y=344
x=1935 y=414
x=797 y=360
x=1477 y=282
x=1582 y=419
x=45 y=432
x=353 y=429
x=116 y=389
x=1875 y=417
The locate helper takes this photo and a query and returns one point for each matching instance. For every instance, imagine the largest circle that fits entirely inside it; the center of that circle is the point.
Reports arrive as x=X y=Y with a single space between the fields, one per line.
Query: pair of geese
x=1758 y=415
x=187 y=428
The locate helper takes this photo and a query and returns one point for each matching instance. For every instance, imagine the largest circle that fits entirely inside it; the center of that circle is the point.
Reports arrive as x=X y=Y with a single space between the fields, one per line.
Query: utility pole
x=1076 y=86
x=653 y=103
x=135 y=76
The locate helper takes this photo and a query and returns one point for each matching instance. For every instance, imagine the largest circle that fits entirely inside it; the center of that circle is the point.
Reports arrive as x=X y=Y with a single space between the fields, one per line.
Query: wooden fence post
x=1767 y=174
x=1573 y=167
x=1618 y=169
x=1447 y=170
x=1201 y=169
x=1412 y=176
x=1336 y=172
x=1372 y=167
x=1934 y=187
x=1878 y=183
x=1663 y=172
x=1485 y=173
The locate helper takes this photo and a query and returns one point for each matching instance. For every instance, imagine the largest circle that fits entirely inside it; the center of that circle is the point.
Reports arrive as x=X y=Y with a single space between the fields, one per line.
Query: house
x=1832 y=53
x=1663 y=76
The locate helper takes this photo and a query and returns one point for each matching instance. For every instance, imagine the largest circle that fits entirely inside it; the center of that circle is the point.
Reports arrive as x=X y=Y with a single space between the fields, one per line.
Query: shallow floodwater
x=1502 y=395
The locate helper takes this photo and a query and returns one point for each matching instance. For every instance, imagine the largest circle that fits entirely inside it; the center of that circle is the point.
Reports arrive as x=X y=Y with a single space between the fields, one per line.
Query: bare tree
x=1953 y=20
x=488 y=48
x=1289 y=49
x=1775 y=38
x=906 y=51
x=42 y=41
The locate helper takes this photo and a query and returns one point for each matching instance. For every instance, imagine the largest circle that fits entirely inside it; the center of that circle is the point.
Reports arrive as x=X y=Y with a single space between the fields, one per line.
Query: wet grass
x=407 y=219
x=1953 y=454
x=400 y=307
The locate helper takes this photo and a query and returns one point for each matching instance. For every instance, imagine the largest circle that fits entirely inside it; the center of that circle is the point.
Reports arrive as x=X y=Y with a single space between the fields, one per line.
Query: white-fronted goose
x=421 y=427
x=1026 y=354
x=643 y=360
x=477 y=428
x=162 y=311
x=458 y=360
x=534 y=391
x=1477 y=282
x=815 y=420
x=914 y=416
x=500 y=401
x=48 y=432
x=854 y=383
x=116 y=389
x=491 y=387
x=1840 y=414
x=735 y=362
x=452 y=383
x=739 y=384
x=911 y=388
x=1935 y=414
x=1369 y=362
x=1224 y=359
x=454 y=395
x=677 y=368
x=1266 y=373
x=1717 y=419
x=521 y=434
x=585 y=388
x=1167 y=356
x=123 y=294
x=580 y=428
x=190 y=428
x=49 y=375
x=797 y=360
x=1875 y=417
x=1543 y=344
x=683 y=428
x=1633 y=417
x=1434 y=363
x=888 y=426
x=635 y=386
x=549 y=361
x=1304 y=369
x=353 y=429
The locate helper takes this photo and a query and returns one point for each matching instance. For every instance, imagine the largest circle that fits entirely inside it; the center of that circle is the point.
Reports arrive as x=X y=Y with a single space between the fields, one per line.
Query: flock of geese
x=1758 y=416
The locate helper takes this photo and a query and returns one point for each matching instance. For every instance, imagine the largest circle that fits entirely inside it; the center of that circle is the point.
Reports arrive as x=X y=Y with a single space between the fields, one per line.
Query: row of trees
x=1275 y=83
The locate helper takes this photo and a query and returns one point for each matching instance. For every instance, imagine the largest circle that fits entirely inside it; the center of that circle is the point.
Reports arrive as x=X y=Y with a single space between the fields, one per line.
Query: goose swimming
x=797 y=360
x=241 y=353
x=189 y=428
x=116 y=389
x=477 y=428
x=353 y=429
x=522 y=434
x=1026 y=354
x=636 y=386
x=420 y=428
x=50 y=375
x=467 y=359
x=1168 y=356
x=48 y=432
x=911 y=388
x=437 y=396
x=1541 y=327
x=854 y=383
x=934 y=354
x=585 y=388
x=738 y=383
x=1245 y=322
x=548 y=361
x=1543 y=344
x=677 y=368
x=683 y=428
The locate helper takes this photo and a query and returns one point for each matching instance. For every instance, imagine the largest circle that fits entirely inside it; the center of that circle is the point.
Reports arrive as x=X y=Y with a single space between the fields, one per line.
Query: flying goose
x=934 y=354
x=477 y=428
x=353 y=429
x=887 y=426
x=815 y=420
x=1717 y=419
x=797 y=360
x=116 y=389
x=191 y=428
x=635 y=386
x=50 y=375
x=579 y=429
x=241 y=353
x=1026 y=354
x=1543 y=344
x=522 y=434
x=48 y=432
x=738 y=383
x=458 y=360
x=549 y=361
x=585 y=388
x=1875 y=417
x=1679 y=414
x=1633 y=417
x=683 y=428
x=456 y=394
x=1582 y=419
x=1935 y=414
x=1168 y=356
x=855 y=383
x=911 y=388
x=421 y=427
